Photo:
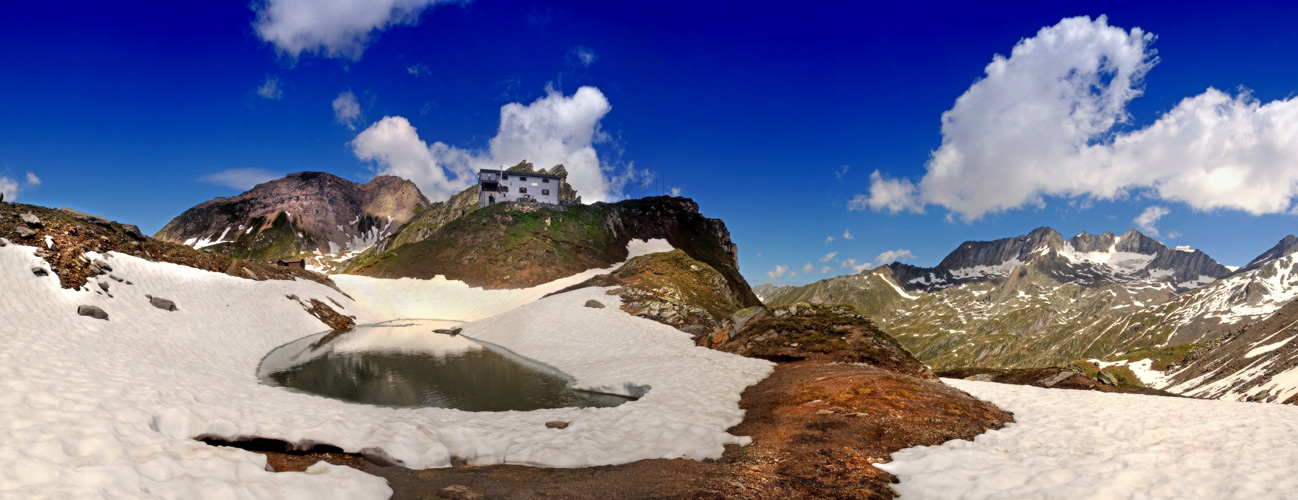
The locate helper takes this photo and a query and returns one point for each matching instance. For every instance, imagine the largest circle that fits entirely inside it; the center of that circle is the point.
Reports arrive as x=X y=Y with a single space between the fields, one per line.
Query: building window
x=545 y=192
x=524 y=179
x=522 y=190
x=547 y=181
x=506 y=176
x=504 y=189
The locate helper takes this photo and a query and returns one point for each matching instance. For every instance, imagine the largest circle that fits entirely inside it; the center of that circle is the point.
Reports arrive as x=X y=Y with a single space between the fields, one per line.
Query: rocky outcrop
x=1286 y=246
x=301 y=213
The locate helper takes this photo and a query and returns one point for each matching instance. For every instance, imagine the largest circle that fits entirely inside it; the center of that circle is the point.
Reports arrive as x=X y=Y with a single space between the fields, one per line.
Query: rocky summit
x=302 y=213
x=1038 y=300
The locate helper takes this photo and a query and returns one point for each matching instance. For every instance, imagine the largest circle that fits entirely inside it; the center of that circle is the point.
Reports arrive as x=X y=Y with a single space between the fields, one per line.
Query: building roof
x=520 y=174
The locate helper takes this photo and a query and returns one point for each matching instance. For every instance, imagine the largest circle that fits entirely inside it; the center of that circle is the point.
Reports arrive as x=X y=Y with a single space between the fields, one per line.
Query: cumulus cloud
x=346 y=110
x=10 y=187
x=584 y=55
x=1147 y=221
x=828 y=257
x=332 y=28
x=270 y=89
x=675 y=191
x=1044 y=122
x=240 y=178
x=824 y=270
x=851 y=263
x=829 y=239
x=893 y=256
x=847 y=234
x=554 y=129
x=777 y=272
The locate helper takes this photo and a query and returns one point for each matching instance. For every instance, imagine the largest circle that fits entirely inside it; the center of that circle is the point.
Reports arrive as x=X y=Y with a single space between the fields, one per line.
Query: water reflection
x=404 y=364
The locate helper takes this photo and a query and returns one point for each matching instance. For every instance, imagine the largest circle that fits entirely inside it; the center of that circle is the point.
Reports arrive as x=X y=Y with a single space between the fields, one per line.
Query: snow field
x=92 y=408
x=1069 y=444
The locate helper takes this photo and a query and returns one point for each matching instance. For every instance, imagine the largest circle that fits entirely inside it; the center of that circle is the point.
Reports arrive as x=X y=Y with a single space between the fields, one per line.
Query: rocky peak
x=1286 y=246
x=302 y=212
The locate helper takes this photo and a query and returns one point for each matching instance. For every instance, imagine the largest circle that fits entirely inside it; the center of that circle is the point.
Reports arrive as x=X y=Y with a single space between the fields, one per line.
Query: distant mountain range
x=1038 y=300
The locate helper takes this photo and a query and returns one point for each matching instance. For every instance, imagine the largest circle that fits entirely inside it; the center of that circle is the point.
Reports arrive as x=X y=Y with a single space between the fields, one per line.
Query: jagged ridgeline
x=300 y=214
x=1039 y=300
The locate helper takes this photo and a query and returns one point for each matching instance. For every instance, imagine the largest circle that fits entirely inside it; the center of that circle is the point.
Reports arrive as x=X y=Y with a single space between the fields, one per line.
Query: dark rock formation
x=92 y=312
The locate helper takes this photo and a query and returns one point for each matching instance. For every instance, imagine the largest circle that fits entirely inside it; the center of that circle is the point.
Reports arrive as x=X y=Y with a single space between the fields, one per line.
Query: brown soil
x=817 y=428
x=73 y=237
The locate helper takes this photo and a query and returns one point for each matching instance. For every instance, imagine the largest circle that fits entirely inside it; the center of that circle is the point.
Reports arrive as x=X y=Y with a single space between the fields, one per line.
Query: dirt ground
x=817 y=428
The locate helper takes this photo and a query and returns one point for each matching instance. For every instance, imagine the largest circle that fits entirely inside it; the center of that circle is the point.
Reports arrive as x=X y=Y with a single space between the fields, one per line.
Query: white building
x=495 y=186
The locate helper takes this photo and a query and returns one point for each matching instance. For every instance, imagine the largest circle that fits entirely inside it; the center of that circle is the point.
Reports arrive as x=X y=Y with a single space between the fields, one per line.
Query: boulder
x=31 y=220
x=161 y=303
x=594 y=304
x=1106 y=378
x=40 y=272
x=93 y=312
x=557 y=424
x=381 y=458
x=449 y=331
x=102 y=265
x=133 y=231
x=459 y=492
x=23 y=232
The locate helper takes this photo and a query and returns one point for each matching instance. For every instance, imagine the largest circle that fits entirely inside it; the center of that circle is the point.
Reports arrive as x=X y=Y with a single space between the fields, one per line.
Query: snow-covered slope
x=1067 y=444
x=92 y=408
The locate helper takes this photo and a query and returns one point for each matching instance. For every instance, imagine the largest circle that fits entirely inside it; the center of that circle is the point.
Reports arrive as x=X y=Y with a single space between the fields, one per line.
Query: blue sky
x=773 y=117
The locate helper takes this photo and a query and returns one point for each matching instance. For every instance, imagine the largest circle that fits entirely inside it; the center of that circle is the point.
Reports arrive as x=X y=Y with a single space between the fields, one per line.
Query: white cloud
x=824 y=270
x=808 y=268
x=828 y=257
x=418 y=70
x=270 y=89
x=829 y=239
x=846 y=263
x=777 y=272
x=9 y=188
x=333 y=28
x=893 y=255
x=793 y=274
x=552 y=130
x=1043 y=122
x=675 y=191
x=240 y=178
x=888 y=194
x=33 y=180
x=1147 y=221
x=847 y=234
x=584 y=55
x=842 y=171
x=346 y=110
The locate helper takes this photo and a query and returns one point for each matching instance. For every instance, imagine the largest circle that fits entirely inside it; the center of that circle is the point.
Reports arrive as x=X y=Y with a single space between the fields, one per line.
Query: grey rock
x=103 y=285
x=460 y=492
x=824 y=412
x=115 y=278
x=1056 y=378
x=449 y=331
x=248 y=272
x=381 y=458
x=1106 y=378
x=743 y=316
x=557 y=424
x=93 y=312
x=161 y=303
x=980 y=377
x=102 y=265
x=24 y=233
x=31 y=220
x=40 y=272
x=594 y=304
x=133 y=231
x=85 y=216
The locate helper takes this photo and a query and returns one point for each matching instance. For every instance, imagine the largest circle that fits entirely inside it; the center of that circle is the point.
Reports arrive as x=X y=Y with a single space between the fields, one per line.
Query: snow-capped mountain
x=1038 y=300
x=302 y=213
x=1086 y=260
